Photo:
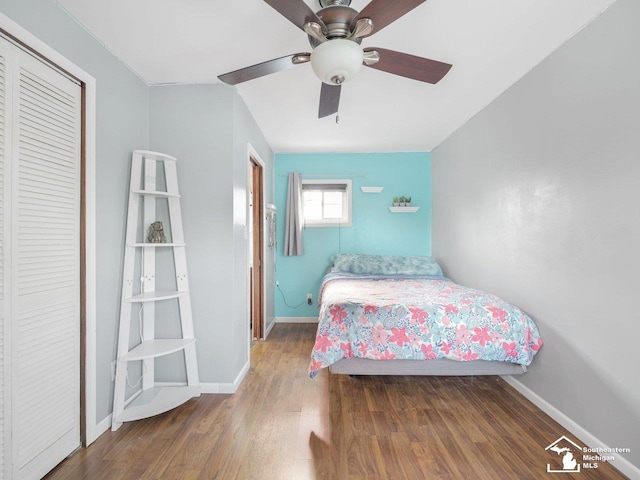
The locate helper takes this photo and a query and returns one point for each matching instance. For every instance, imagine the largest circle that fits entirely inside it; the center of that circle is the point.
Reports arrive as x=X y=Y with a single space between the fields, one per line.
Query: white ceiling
x=491 y=44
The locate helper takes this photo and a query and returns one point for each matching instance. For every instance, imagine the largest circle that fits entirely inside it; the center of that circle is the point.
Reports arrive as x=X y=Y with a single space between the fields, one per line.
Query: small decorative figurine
x=156 y=233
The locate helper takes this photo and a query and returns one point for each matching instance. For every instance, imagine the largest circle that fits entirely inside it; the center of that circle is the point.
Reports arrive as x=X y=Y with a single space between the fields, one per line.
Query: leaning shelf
x=141 y=262
x=156 y=348
x=156 y=245
x=156 y=193
x=157 y=400
x=155 y=296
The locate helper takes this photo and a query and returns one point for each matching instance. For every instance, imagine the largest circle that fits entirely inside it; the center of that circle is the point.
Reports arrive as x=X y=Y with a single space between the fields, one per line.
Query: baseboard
x=226 y=387
x=296 y=319
x=269 y=328
x=105 y=424
x=620 y=463
x=102 y=427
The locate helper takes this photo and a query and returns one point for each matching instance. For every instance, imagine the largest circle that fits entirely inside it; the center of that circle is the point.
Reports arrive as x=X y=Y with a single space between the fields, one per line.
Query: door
x=257 y=242
x=41 y=129
x=5 y=279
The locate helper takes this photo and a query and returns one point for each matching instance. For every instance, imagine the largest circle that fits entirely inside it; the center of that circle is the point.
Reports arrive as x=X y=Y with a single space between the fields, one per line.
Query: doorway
x=256 y=250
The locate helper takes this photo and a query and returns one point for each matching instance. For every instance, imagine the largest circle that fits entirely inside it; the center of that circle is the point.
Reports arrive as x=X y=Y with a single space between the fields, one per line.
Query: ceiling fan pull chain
x=337 y=119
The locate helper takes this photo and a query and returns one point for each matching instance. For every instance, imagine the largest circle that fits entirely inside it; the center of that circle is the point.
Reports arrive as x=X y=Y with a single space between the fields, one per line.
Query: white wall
x=207 y=128
x=537 y=199
x=122 y=125
x=246 y=130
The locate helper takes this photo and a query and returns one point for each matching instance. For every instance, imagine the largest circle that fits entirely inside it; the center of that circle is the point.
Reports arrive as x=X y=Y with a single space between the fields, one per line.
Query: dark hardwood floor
x=281 y=424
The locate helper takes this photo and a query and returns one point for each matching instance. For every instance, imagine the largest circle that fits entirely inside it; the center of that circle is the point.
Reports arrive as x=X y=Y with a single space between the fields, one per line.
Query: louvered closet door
x=45 y=267
x=4 y=312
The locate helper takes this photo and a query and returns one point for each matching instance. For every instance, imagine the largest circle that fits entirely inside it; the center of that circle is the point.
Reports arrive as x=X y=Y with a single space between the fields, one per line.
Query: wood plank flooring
x=282 y=425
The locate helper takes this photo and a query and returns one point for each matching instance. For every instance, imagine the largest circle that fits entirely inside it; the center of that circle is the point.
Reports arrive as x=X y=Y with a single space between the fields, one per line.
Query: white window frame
x=346 y=207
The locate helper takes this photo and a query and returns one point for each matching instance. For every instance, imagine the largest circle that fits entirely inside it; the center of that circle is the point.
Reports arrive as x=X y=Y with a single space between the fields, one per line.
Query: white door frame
x=89 y=84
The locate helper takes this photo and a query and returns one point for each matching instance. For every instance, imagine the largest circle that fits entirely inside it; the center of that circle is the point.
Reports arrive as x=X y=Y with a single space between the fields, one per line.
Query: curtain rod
x=324 y=175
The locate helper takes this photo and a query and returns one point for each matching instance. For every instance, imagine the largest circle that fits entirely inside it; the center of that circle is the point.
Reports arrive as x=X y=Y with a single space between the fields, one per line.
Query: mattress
x=387 y=317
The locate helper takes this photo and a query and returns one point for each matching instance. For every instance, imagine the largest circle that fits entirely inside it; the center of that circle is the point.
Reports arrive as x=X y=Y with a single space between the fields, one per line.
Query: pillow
x=385 y=264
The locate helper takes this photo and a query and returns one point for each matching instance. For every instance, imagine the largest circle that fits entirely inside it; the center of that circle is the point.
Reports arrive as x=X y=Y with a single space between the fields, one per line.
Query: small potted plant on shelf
x=407 y=201
x=402 y=201
x=396 y=202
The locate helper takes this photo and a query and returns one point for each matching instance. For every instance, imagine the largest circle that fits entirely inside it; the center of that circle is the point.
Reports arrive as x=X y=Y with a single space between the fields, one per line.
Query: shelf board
x=403 y=209
x=155 y=296
x=157 y=400
x=371 y=189
x=156 y=245
x=156 y=348
x=155 y=193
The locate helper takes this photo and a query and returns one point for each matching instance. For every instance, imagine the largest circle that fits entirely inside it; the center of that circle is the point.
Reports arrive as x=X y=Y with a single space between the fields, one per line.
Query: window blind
x=323 y=187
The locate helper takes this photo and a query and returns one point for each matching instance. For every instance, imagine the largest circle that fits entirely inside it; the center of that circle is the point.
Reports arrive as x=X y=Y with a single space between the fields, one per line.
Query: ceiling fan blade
x=297 y=12
x=384 y=12
x=264 y=68
x=410 y=66
x=329 y=100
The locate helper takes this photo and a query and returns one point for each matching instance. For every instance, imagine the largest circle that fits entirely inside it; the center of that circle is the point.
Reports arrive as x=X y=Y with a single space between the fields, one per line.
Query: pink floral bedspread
x=411 y=318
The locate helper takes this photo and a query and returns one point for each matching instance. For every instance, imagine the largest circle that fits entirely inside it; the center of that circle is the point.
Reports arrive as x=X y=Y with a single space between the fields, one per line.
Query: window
x=327 y=203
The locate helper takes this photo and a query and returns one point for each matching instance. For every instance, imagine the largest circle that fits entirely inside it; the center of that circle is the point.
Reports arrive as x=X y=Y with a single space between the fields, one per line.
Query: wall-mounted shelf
x=403 y=209
x=371 y=189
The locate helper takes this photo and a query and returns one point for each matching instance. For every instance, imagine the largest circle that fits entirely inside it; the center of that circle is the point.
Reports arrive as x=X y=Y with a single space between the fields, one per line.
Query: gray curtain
x=293 y=245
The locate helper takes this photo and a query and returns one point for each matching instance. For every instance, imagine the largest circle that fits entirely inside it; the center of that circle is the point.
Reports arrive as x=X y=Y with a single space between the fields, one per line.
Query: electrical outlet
x=277 y=283
x=113 y=370
x=309 y=299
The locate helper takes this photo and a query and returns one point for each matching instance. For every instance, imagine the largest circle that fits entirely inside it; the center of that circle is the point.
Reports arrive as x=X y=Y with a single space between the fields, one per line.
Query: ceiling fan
x=335 y=33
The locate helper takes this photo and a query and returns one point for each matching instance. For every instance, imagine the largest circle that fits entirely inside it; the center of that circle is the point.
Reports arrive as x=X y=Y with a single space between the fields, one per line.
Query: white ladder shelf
x=151 y=399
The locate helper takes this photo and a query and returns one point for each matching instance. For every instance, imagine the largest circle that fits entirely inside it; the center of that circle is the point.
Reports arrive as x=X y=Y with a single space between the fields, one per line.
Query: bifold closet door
x=43 y=131
x=5 y=389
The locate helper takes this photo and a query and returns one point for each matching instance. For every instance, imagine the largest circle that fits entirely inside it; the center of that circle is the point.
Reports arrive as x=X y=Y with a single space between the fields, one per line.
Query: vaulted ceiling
x=490 y=43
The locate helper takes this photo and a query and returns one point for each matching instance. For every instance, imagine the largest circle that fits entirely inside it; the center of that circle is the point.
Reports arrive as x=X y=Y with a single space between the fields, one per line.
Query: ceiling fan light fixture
x=337 y=61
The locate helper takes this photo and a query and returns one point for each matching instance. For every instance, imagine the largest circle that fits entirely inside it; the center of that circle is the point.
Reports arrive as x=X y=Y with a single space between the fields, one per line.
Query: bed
x=382 y=315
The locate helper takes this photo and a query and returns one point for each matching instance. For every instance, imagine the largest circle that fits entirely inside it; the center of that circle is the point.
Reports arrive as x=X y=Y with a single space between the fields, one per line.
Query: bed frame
x=438 y=366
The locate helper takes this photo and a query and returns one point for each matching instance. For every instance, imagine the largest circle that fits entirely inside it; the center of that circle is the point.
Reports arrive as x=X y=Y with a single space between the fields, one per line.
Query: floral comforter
x=417 y=318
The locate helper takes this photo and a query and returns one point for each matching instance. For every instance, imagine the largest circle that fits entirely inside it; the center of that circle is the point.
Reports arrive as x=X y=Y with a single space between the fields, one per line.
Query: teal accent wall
x=374 y=230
